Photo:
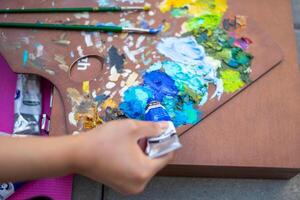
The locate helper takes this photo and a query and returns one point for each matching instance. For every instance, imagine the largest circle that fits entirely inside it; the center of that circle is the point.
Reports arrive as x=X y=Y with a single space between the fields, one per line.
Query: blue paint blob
x=162 y=84
x=233 y=63
x=144 y=24
x=101 y=98
x=135 y=101
x=132 y=109
x=167 y=88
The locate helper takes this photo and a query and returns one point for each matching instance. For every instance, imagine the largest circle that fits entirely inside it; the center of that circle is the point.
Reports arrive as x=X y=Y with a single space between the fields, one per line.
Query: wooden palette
x=13 y=43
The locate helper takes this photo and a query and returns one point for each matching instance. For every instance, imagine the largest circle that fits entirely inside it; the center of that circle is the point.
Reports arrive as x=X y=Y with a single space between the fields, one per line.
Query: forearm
x=36 y=157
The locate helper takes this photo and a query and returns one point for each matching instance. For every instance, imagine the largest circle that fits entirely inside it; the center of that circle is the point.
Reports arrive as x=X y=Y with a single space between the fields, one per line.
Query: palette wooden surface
x=14 y=42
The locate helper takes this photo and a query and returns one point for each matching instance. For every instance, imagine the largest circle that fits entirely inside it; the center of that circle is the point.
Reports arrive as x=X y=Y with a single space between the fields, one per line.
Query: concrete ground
x=201 y=188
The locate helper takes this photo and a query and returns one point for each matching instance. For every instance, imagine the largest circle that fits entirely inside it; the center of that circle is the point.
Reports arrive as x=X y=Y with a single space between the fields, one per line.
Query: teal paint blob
x=25 y=57
x=181 y=112
x=187 y=115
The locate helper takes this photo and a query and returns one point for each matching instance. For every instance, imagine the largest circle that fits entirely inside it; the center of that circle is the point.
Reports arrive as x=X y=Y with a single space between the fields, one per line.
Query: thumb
x=150 y=129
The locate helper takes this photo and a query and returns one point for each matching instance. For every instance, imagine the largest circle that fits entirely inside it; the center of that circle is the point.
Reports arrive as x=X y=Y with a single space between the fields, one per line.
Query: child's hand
x=110 y=154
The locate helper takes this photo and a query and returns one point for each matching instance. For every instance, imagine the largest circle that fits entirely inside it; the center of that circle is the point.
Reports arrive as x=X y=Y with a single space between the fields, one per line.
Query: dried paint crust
x=207 y=52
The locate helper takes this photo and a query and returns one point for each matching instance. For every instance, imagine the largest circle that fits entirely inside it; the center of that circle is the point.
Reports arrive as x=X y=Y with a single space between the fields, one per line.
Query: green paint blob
x=232 y=80
x=219 y=45
x=208 y=22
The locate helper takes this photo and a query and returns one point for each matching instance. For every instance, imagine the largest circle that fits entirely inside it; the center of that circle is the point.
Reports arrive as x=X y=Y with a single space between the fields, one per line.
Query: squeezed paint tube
x=7 y=189
x=166 y=142
x=27 y=105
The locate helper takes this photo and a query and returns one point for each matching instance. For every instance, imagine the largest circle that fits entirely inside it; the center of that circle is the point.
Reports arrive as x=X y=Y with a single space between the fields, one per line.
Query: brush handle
x=53 y=10
x=102 y=28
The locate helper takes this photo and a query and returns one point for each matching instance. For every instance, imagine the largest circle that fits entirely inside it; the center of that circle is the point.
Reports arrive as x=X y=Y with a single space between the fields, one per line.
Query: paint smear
x=83 y=15
x=87 y=39
x=184 y=50
x=196 y=8
x=86 y=87
x=25 y=57
x=115 y=59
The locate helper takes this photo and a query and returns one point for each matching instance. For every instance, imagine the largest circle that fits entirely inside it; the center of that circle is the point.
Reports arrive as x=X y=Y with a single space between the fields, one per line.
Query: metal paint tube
x=27 y=105
x=168 y=141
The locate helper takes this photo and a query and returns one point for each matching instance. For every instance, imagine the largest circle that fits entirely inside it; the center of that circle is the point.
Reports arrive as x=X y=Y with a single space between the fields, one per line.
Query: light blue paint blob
x=185 y=76
x=183 y=50
x=125 y=23
x=104 y=3
x=107 y=24
x=146 y=61
x=196 y=78
x=25 y=57
x=154 y=67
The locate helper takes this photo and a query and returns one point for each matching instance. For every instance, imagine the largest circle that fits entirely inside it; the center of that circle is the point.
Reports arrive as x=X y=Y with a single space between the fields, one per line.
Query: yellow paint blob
x=196 y=8
x=109 y=103
x=167 y=5
x=86 y=87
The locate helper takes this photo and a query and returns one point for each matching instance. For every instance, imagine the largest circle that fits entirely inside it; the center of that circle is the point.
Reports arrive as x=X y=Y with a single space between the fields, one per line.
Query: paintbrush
x=146 y=7
x=88 y=28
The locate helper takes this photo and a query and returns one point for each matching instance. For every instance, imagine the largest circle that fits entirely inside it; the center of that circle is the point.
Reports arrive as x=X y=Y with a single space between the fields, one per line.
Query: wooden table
x=257 y=134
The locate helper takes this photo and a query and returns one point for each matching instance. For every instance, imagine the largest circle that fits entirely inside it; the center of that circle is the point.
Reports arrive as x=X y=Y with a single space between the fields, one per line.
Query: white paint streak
x=110 y=85
x=139 y=41
x=131 y=54
x=84 y=15
x=87 y=39
x=80 y=51
x=39 y=50
x=131 y=79
x=72 y=119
